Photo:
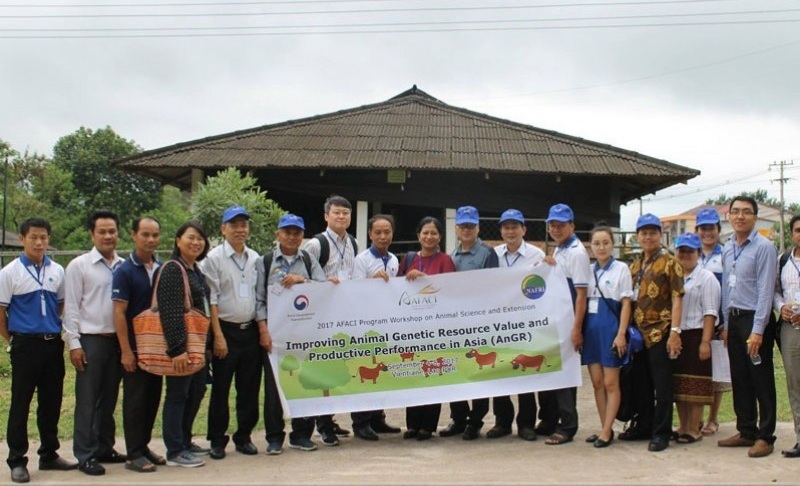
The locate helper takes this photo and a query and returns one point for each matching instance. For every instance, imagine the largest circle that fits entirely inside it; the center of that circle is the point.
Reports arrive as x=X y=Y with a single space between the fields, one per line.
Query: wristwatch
x=675 y=329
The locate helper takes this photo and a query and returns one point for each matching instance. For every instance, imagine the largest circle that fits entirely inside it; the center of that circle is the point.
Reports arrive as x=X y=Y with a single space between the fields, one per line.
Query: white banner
x=369 y=344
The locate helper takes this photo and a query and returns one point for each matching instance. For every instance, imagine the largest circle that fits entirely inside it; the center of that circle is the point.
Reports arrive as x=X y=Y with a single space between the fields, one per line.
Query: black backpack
x=268 y=257
x=325 y=247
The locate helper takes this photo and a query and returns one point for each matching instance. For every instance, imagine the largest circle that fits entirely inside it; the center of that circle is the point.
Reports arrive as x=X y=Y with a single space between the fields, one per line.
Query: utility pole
x=782 y=180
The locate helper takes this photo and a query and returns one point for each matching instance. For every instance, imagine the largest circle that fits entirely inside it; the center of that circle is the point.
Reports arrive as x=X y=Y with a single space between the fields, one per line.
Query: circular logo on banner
x=301 y=302
x=533 y=287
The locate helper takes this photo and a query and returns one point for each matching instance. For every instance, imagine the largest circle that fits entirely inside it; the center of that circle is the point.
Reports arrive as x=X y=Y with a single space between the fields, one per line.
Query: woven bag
x=152 y=347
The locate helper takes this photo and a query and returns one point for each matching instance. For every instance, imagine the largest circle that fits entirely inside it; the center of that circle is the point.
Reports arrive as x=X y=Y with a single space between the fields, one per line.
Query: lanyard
x=419 y=262
x=644 y=267
x=598 y=277
x=336 y=245
x=39 y=280
x=737 y=255
x=511 y=264
x=236 y=262
x=384 y=258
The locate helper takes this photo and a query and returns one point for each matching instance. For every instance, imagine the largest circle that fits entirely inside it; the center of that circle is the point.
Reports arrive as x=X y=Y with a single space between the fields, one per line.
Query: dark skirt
x=691 y=377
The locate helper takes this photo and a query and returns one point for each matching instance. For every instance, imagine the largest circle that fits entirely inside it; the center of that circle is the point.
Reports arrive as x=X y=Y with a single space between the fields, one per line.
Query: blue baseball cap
x=706 y=216
x=290 y=219
x=233 y=212
x=467 y=215
x=648 y=219
x=560 y=212
x=688 y=240
x=512 y=215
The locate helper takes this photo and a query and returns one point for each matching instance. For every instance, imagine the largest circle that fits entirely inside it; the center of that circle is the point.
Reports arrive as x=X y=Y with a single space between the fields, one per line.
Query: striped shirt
x=701 y=298
x=754 y=265
x=341 y=255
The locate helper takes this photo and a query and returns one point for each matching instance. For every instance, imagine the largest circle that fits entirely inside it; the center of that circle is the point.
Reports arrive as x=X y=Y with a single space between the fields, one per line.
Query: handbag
x=151 y=346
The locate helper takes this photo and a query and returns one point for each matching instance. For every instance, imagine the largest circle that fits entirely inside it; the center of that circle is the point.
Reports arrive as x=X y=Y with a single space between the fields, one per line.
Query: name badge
x=635 y=293
x=244 y=290
x=594 y=303
x=796 y=297
x=44 y=305
x=206 y=307
x=343 y=275
x=276 y=289
x=732 y=280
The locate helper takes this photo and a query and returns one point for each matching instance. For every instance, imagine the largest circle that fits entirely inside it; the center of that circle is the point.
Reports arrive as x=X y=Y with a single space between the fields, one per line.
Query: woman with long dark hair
x=422 y=420
x=184 y=393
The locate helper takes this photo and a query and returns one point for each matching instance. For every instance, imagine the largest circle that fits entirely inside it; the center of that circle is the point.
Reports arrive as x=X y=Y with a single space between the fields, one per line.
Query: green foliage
x=173 y=211
x=231 y=187
x=760 y=195
x=88 y=155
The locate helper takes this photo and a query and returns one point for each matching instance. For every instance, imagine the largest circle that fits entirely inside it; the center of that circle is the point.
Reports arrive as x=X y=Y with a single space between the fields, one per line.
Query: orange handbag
x=151 y=347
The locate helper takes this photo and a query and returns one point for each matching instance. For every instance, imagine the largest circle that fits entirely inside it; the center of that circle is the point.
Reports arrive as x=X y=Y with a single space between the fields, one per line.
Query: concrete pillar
x=197 y=178
x=449 y=235
x=362 y=216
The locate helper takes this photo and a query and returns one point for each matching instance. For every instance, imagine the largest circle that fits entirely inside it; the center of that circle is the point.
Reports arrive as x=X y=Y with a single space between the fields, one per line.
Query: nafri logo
x=533 y=287
x=301 y=302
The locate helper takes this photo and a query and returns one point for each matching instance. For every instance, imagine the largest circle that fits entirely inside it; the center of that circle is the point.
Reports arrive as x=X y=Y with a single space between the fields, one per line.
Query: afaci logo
x=301 y=302
x=533 y=287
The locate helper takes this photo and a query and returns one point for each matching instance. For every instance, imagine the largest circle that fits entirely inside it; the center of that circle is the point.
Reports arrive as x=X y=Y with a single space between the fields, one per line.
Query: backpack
x=268 y=257
x=325 y=247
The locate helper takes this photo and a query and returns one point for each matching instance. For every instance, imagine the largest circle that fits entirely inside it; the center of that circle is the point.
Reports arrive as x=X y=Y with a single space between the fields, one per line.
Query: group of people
x=677 y=304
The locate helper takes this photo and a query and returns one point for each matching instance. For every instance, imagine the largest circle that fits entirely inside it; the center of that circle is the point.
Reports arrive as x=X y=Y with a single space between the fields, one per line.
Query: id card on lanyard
x=39 y=280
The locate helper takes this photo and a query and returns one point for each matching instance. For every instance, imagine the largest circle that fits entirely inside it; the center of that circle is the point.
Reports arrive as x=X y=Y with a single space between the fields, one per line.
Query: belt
x=109 y=335
x=239 y=325
x=741 y=312
x=48 y=336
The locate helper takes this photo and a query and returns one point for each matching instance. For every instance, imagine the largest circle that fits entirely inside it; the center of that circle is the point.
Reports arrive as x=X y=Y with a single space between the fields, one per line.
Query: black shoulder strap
x=324 y=249
x=784 y=259
x=306 y=261
x=354 y=243
x=406 y=263
x=267 y=264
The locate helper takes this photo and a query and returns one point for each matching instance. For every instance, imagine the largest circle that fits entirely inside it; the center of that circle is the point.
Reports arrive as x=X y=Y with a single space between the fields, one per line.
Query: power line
x=407 y=31
x=391 y=24
x=351 y=11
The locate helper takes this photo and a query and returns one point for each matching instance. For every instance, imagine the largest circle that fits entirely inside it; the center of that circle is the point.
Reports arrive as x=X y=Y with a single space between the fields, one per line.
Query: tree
x=173 y=210
x=231 y=187
x=88 y=156
x=760 y=195
x=324 y=375
x=290 y=364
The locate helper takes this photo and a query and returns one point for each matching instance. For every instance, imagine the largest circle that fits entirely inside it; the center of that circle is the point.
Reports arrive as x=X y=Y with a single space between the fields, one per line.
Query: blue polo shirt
x=31 y=293
x=132 y=284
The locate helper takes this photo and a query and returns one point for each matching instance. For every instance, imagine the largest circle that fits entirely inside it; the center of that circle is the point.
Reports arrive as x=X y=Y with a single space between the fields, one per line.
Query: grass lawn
x=68 y=406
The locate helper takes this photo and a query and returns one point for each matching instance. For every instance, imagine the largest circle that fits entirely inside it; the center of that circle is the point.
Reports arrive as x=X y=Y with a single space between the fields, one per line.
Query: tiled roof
x=410 y=131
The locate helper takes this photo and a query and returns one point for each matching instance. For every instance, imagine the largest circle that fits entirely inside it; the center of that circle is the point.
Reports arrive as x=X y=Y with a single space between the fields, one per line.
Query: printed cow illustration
x=429 y=367
x=482 y=359
x=526 y=362
x=371 y=373
x=407 y=356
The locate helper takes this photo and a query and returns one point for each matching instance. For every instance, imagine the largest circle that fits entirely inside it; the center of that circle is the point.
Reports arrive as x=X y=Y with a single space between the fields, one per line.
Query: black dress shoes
x=92 y=467
x=381 y=427
x=793 y=452
x=634 y=433
x=19 y=474
x=471 y=432
x=365 y=432
x=247 y=448
x=112 y=457
x=657 y=444
x=57 y=464
x=340 y=431
x=217 y=452
x=453 y=428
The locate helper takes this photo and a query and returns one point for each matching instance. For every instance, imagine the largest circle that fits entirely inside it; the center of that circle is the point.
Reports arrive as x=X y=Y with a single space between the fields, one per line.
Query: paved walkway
x=445 y=461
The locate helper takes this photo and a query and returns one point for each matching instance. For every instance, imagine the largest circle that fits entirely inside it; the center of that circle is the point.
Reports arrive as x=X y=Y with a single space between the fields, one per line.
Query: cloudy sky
x=708 y=84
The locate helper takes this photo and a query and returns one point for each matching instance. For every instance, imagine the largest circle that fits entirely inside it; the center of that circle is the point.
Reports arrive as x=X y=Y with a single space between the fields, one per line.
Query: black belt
x=741 y=312
x=48 y=336
x=107 y=335
x=239 y=325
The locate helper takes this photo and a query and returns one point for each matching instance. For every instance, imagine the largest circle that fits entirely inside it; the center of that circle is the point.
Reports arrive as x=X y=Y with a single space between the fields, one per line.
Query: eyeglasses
x=743 y=212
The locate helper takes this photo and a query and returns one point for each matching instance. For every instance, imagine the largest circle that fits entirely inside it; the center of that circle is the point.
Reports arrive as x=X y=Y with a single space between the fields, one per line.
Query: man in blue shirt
x=31 y=300
x=470 y=254
x=750 y=263
x=131 y=293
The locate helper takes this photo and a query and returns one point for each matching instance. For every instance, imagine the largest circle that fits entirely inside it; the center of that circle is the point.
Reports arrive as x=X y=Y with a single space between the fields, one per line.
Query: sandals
x=140 y=464
x=688 y=439
x=557 y=439
x=711 y=428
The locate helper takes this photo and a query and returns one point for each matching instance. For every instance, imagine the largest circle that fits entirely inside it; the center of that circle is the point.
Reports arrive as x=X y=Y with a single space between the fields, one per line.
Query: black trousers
x=652 y=390
x=559 y=410
x=141 y=395
x=96 y=393
x=243 y=363
x=36 y=365
x=423 y=417
x=754 y=399
x=460 y=412
x=273 y=410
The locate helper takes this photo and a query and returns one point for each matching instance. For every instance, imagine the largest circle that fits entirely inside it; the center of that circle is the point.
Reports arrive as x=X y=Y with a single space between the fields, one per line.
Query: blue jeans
x=181 y=403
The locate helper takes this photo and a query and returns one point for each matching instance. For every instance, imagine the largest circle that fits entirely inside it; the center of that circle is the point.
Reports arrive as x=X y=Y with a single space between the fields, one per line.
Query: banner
x=370 y=344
